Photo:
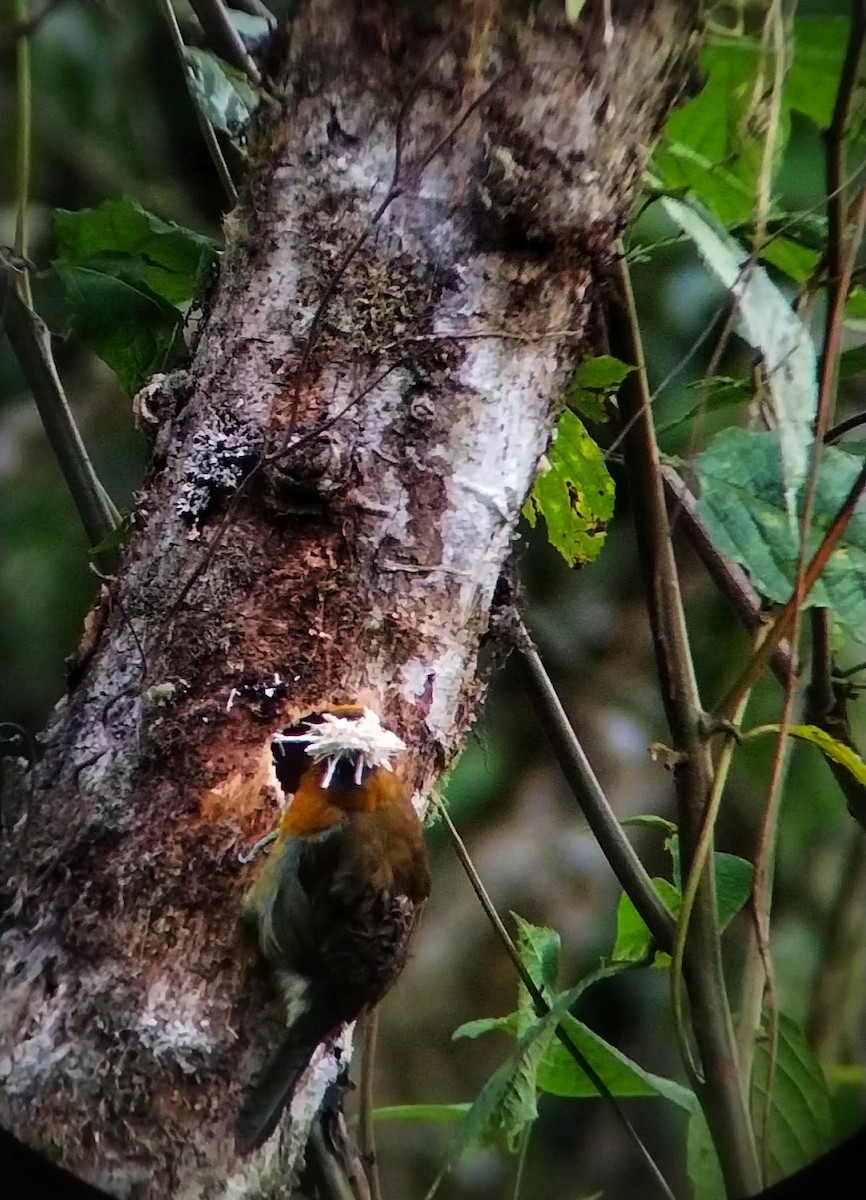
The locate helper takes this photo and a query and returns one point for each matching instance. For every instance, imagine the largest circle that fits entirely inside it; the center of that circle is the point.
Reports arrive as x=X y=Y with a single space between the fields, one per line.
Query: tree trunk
x=434 y=193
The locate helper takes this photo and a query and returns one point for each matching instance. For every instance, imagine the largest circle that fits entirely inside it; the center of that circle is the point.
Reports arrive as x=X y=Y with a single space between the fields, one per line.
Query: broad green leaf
x=852 y=362
x=594 y=384
x=742 y=505
x=768 y=323
x=733 y=887
x=800 y=1127
x=702 y=1161
x=121 y=238
x=449 y=1113
x=796 y=261
x=633 y=938
x=223 y=93
x=560 y=1075
x=651 y=821
x=127 y=325
x=813 y=80
x=834 y=749
x=573 y=493
x=712 y=147
x=718 y=396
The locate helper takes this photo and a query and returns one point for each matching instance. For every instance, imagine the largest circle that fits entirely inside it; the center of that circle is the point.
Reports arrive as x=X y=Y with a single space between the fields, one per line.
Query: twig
x=366 y=1132
x=721 y=1094
x=588 y=792
x=542 y=1008
x=207 y=129
x=23 y=135
x=837 y=988
x=224 y=38
x=31 y=344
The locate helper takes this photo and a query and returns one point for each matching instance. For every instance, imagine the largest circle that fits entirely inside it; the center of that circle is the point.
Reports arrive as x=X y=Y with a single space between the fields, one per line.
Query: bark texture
x=434 y=193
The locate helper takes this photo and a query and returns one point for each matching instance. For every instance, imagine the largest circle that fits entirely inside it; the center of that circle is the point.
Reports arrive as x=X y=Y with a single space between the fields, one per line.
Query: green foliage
x=634 y=942
x=540 y=1063
x=594 y=385
x=222 y=92
x=831 y=747
x=573 y=492
x=124 y=274
x=795 y=1128
x=743 y=507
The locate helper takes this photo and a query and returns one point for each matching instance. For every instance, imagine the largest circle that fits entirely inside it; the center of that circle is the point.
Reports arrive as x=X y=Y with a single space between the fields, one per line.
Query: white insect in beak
x=334 y=738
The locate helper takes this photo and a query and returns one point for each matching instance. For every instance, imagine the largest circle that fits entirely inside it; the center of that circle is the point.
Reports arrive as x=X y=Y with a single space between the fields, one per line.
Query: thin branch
x=207 y=129
x=23 y=137
x=366 y=1132
x=588 y=792
x=31 y=344
x=542 y=1008
x=837 y=988
x=721 y=1094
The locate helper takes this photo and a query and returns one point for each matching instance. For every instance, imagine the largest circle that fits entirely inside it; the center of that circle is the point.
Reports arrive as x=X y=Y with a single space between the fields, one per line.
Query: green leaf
x=703 y=1162
x=733 y=888
x=651 y=821
x=796 y=261
x=855 y=307
x=594 y=384
x=633 y=938
x=573 y=9
x=813 y=79
x=560 y=1075
x=711 y=147
x=222 y=92
x=123 y=272
x=719 y=396
x=834 y=749
x=573 y=493
x=767 y=322
x=742 y=506
x=539 y=949
x=800 y=1126
x=474 y=1029
x=127 y=325
x=507 y=1102
x=449 y=1113
x=121 y=238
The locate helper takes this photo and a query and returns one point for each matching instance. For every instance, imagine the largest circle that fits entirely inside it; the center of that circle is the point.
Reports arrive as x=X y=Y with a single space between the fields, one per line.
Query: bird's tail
x=275 y=1087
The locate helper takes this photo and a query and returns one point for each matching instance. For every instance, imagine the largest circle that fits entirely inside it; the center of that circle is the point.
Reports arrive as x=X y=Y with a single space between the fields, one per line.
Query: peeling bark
x=433 y=197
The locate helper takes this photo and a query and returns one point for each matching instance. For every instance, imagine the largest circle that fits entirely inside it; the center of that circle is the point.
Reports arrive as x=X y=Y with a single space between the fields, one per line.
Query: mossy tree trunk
x=434 y=196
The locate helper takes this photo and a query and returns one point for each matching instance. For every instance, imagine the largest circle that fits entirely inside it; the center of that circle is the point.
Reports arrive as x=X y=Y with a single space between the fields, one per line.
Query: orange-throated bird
x=338 y=899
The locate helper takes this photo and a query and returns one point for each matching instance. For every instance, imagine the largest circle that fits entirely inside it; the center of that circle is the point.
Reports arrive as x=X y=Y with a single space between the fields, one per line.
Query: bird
x=336 y=903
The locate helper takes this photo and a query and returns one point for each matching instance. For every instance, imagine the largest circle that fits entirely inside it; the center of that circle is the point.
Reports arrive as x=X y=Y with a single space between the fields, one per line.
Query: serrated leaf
x=573 y=493
x=743 y=508
x=539 y=949
x=474 y=1029
x=223 y=93
x=834 y=749
x=507 y=1102
x=594 y=384
x=559 y=1074
x=767 y=322
x=800 y=1127
x=121 y=238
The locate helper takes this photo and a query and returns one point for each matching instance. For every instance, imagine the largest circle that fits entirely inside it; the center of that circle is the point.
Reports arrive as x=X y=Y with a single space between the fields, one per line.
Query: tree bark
x=433 y=197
